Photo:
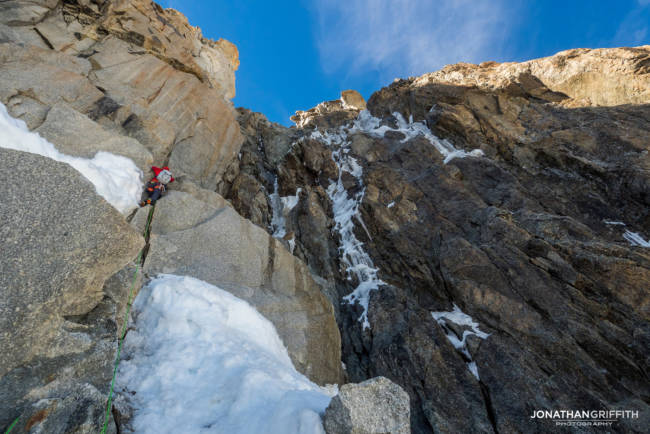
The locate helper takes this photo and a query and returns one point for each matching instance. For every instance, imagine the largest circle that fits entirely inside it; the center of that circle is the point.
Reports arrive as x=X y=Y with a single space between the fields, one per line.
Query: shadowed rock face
x=518 y=239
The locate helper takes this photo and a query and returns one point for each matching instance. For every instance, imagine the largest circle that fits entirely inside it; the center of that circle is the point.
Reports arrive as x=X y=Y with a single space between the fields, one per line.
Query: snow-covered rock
x=116 y=178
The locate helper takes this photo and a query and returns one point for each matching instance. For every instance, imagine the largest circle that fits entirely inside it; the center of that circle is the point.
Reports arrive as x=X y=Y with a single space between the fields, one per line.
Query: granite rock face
x=330 y=114
x=58 y=324
x=600 y=77
x=130 y=78
x=372 y=407
x=138 y=76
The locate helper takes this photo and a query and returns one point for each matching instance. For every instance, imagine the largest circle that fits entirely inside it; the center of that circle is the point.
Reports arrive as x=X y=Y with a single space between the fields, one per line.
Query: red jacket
x=157 y=170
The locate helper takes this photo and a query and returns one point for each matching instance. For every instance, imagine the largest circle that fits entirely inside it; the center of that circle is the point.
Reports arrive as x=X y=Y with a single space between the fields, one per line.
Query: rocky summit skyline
x=298 y=54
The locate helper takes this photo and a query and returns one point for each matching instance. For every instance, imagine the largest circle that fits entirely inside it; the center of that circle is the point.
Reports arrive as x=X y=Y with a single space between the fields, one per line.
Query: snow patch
x=117 y=179
x=202 y=360
x=635 y=239
x=390 y=205
x=460 y=318
x=371 y=125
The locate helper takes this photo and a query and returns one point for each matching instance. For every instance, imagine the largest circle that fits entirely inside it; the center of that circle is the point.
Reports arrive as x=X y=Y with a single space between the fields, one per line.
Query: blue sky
x=295 y=54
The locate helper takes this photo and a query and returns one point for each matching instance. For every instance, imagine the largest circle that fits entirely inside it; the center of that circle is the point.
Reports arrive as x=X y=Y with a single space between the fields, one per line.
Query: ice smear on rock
x=371 y=125
x=357 y=262
x=199 y=359
x=281 y=207
x=614 y=223
x=635 y=239
x=359 y=265
x=117 y=179
x=460 y=318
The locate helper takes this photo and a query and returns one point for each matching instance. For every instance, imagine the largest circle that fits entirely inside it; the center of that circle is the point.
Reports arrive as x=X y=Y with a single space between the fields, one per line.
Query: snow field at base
x=200 y=360
x=117 y=179
x=359 y=265
x=460 y=318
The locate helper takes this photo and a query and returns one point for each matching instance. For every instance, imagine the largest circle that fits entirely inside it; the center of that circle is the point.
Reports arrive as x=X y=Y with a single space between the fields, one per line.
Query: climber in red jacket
x=158 y=184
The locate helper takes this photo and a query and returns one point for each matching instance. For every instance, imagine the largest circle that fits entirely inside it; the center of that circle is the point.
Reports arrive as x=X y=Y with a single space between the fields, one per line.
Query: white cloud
x=408 y=37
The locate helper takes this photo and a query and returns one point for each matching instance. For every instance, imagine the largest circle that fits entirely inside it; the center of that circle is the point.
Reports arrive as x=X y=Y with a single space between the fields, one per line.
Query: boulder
x=353 y=99
x=174 y=114
x=46 y=76
x=75 y=134
x=60 y=246
x=215 y=244
x=372 y=407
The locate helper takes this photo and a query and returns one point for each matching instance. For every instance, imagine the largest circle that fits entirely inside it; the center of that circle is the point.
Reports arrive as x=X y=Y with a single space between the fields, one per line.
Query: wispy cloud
x=633 y=30
x=408 y=37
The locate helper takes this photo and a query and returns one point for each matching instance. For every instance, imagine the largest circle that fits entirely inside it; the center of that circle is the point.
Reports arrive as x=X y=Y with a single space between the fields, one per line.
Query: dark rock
x=516 y=239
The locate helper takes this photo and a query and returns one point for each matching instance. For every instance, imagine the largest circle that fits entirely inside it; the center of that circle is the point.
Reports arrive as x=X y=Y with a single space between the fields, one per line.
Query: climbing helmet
x=165 y=176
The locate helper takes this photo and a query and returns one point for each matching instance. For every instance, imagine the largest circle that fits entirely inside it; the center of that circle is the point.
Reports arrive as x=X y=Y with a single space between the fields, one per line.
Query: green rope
x=12 y=425
x=126 y=319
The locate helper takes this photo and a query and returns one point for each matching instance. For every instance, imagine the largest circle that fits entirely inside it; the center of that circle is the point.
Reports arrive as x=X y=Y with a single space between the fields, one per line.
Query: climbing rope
x=12 y=425
x=126 y=320
x=139 y=262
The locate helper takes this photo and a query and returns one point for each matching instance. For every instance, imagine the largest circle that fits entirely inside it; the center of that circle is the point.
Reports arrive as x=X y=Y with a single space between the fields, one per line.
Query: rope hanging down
x=126 y=319
x=12 y=425
x=123 y=333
